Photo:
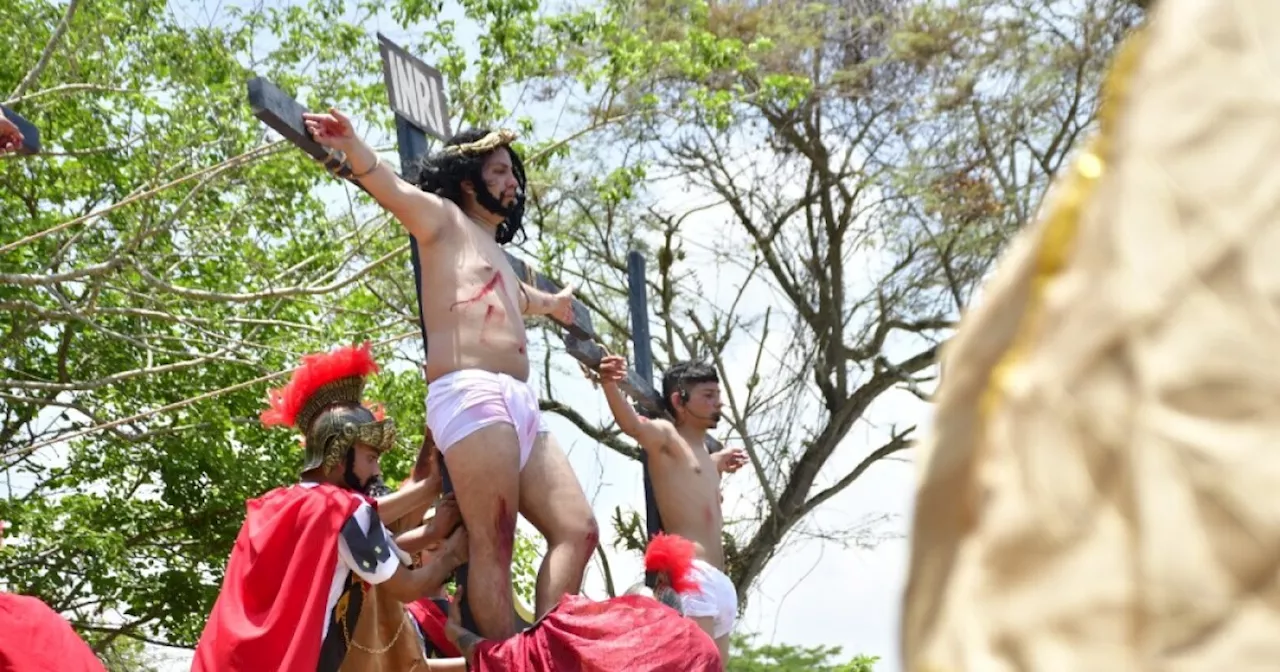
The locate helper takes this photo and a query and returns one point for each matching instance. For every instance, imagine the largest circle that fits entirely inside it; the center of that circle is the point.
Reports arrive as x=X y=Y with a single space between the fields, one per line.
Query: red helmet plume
x=673 y=556
x=316 y=371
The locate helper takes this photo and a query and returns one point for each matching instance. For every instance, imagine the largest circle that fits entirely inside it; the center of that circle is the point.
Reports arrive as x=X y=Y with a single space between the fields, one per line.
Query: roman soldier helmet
x=323 y=400
x=671 y=558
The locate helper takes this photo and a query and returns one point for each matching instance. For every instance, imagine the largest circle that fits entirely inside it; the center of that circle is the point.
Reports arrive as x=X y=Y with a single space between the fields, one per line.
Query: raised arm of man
x=421 y=214
x=652 y=435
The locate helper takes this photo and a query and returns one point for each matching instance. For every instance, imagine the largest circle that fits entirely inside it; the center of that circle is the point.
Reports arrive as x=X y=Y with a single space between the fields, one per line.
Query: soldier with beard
x=686 y=479
x=308 y=554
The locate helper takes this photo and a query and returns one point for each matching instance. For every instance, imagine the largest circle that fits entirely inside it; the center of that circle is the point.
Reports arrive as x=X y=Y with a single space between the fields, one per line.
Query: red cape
x=271 y=610
x=432 y=621
x=632 y=633
x=34 y=638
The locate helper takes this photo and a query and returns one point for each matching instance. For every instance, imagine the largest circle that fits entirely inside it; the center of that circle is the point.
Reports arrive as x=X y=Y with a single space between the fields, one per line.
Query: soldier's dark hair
x=443 y=173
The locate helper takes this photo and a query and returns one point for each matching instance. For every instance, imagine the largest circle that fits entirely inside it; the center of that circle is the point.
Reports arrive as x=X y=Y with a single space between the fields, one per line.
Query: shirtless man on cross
x=686 y=479
x=467 y=200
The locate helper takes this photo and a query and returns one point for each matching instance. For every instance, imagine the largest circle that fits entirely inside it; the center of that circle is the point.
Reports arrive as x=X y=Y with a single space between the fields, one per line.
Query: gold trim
x=377 y=652
x=1063 y=216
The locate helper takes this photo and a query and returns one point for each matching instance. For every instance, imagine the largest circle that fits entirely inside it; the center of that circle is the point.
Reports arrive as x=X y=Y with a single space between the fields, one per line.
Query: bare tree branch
x=41 y=63
x=609 y=439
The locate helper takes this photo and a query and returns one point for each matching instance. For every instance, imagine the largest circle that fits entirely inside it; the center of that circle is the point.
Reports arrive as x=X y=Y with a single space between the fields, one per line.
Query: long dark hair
x=443 y=173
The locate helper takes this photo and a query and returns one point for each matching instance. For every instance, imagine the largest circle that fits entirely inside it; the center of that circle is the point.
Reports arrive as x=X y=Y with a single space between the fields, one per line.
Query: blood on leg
x=485 y=469
x=505 y=530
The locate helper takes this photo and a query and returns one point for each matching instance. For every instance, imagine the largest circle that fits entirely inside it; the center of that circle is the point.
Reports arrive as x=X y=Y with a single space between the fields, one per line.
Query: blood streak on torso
x=492 y=310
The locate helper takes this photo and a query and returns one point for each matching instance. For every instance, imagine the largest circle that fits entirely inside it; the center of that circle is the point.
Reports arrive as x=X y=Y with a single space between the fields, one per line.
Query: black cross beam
x=30 y=134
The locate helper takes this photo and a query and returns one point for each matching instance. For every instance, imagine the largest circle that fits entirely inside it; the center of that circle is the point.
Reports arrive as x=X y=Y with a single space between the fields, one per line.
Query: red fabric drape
x=34 y=638
x=631 y=633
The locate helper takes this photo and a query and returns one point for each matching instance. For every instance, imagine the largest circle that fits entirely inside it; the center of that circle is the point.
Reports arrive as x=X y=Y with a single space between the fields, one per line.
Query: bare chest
x=483 y=274
x=690 y=465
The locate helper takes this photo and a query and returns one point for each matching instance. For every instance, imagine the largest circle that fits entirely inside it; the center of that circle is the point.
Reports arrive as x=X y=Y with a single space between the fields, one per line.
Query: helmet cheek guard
x=323 y=400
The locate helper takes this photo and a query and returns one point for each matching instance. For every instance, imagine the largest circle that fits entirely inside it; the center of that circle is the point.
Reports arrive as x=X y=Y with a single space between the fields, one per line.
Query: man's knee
x=581 y=533
x=591 y=536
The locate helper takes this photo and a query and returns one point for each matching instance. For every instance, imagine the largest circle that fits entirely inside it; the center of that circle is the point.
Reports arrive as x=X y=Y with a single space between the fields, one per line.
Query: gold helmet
x=323 y=400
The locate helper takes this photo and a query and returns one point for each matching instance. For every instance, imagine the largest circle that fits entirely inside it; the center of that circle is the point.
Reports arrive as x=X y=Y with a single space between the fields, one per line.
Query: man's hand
x=332 y=130
x=447 y=517
x=562 y=305
x=454 y=549
x=613 y=369
x=10 y=136
x=730 y=460
x=457 y=635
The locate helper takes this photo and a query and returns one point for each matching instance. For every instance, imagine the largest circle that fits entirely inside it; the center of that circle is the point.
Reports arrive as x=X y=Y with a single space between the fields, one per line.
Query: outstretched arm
x=534 y=301
x=412 y=497
x=652 y=435
x=420 y=213
x=445 y=521
x=416 y=494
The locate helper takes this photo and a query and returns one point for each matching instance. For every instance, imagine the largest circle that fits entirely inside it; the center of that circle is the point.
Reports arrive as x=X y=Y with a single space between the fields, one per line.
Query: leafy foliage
x=747 y=656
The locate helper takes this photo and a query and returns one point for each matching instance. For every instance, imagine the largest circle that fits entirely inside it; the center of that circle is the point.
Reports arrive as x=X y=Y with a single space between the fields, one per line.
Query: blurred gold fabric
x=1101 y=486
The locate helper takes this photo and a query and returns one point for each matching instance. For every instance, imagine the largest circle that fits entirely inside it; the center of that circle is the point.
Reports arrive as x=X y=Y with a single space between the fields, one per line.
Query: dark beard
x=374 y=487
x=513 y=215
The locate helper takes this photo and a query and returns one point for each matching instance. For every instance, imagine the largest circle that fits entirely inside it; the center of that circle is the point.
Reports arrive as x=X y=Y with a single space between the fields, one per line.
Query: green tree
x=161 y=264
x=126 y=655
x=748 y=656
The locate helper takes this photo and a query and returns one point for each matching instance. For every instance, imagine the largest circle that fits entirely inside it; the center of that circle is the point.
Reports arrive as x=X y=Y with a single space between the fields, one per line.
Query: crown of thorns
x=495 y=139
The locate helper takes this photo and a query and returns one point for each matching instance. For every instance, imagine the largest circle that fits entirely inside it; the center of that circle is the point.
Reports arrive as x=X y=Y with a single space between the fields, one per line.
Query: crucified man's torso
x=471 y=303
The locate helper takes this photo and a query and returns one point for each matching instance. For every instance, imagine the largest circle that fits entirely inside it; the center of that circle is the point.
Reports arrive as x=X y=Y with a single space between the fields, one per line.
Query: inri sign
x=415 y=88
